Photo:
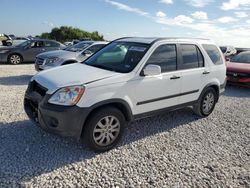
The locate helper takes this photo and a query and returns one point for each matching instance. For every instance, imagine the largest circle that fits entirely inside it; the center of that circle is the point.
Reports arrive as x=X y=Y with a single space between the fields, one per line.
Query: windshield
x=78 y=47
x=118 y=56
x=241 y=58
x=23 y=44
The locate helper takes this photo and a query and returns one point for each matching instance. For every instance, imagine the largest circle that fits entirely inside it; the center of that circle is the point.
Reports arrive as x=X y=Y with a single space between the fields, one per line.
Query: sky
x=227 y=22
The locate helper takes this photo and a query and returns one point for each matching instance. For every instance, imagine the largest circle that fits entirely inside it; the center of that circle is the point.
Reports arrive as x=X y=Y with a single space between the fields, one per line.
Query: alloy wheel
x=15 y=59
x=106 y=131
x=208 y=102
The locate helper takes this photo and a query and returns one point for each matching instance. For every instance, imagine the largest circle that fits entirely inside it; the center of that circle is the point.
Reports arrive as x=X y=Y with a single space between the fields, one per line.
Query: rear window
x=214 y=53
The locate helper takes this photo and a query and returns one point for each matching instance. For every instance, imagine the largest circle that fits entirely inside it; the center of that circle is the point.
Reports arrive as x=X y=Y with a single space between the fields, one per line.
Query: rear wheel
x=104 y=129
x=15 y=59
x=206 y=103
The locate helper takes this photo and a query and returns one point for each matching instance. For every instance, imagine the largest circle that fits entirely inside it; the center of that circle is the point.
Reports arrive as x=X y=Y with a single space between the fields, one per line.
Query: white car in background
x=228 y=51
x=72 y=54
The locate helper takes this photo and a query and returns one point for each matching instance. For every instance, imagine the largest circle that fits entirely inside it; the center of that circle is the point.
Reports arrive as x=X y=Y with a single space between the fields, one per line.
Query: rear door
x=192 y=71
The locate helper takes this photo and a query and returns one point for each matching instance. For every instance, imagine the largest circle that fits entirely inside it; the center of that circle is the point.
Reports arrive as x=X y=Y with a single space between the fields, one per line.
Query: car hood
x=241 y=67
x=58 y=53
x=68 y=75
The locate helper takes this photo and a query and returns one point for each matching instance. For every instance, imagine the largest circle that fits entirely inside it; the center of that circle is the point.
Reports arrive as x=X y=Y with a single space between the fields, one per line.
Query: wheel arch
x=15 y=53
x=120 y=104
x=213 y=85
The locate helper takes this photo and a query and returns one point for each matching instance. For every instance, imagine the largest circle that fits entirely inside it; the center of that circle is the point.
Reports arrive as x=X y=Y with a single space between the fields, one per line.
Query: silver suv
x=72 y=54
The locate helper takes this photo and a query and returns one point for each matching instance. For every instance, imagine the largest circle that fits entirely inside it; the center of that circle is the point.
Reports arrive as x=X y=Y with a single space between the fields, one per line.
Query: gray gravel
x=173 y=150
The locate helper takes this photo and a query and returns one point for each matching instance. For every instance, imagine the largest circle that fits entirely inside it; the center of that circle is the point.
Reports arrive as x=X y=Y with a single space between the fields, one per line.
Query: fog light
x=53 y=122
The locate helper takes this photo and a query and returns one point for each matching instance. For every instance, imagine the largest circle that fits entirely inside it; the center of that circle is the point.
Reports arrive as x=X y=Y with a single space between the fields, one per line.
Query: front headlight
x=3 y=51
x=51 y=60
x=67 y=96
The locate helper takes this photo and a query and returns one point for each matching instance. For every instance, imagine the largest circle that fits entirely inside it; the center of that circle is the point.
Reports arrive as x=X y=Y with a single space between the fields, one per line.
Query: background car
x=228 y=51
x=5 y=40
x=239 y=50
x=68 y=43
x=28 y=50
x=238 y=69
x=73 y=54
x=11 y=40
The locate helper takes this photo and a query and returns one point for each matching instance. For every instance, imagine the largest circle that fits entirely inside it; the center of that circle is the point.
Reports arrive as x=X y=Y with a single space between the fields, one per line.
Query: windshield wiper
x=102 y=67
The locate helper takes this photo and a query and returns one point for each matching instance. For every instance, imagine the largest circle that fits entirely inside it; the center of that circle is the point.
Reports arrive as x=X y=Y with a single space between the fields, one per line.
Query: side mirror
x=152 y=70
x=87 y=53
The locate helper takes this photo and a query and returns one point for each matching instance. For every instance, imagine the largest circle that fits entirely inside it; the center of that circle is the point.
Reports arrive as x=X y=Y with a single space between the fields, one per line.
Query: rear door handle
x=175 y=77
x=206 y=72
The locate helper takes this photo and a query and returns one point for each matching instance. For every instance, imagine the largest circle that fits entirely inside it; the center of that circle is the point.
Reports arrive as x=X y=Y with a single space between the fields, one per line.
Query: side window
x=95 y=48
x=37 y=44
x=192 y=57
x=51 y=44
x=164 y=56
x=214 y=53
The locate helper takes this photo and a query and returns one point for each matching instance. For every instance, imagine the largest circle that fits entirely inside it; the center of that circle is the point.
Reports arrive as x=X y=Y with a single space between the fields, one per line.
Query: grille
x=238 y=74
x=34 y=86
x=39 y=61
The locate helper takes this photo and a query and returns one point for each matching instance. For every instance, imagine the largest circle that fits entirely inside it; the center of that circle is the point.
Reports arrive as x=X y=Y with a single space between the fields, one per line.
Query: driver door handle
x=174 y=77
x=206 y=72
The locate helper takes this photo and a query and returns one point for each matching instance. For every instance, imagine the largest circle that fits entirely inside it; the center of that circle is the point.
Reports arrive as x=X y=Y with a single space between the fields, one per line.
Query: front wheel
x=104 y=129
x=206 y=103
x=15 y=59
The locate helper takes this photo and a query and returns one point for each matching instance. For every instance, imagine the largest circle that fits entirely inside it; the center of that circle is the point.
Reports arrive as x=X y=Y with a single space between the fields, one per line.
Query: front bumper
x=245 y=82
x=61 y=120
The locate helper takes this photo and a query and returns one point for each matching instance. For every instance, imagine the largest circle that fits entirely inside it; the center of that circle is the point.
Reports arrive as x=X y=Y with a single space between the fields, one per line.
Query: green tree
x=45 y=36
x=65 y=33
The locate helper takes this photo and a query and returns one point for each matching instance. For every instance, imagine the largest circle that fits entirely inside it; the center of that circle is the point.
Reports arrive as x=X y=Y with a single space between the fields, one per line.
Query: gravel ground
x=177 y=149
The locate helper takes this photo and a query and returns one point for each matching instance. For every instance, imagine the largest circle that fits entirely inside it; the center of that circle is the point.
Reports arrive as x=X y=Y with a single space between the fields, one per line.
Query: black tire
x=199 y=109
x=15 y=59
x=98 y=117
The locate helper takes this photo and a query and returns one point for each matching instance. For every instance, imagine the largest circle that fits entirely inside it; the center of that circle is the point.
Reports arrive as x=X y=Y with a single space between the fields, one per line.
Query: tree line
x=65 y=33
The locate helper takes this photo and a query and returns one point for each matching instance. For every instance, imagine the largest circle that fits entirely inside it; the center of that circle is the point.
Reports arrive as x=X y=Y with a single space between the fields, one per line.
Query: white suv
x=128 y=79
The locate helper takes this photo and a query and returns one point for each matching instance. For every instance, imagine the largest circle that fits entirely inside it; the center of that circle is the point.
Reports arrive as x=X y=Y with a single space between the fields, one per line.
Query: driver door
x=33 y=50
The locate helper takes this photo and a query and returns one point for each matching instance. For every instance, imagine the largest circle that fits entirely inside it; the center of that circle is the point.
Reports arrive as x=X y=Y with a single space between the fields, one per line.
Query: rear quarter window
x=214 y=53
